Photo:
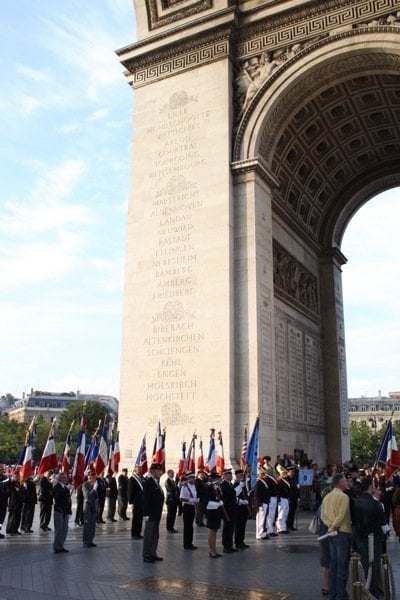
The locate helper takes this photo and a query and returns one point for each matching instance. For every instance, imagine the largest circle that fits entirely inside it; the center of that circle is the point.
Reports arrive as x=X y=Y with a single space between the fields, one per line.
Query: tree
x=12 y=438
x=364 y=443
x=95 y=414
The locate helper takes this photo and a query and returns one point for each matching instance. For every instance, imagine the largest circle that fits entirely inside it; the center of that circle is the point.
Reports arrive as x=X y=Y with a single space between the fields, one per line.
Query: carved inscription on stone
x=294 y=282
x=174 y=337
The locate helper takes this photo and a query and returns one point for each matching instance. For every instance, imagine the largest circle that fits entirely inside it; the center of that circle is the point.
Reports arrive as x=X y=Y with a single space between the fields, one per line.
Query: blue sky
x=66 y=118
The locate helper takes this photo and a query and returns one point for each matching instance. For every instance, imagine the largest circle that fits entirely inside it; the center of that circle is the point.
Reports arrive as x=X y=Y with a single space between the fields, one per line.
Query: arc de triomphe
x=260 y=127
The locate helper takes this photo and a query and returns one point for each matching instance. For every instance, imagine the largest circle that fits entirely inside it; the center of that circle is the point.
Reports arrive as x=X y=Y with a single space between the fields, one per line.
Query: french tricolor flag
x=78 y=471
x=49 y=459
x=392 y=454
x=102 y=456
x=220 y=462
x=211 y=459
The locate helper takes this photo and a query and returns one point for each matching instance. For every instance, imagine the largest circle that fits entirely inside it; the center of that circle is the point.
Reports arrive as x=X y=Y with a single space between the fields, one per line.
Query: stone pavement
x=283 y=568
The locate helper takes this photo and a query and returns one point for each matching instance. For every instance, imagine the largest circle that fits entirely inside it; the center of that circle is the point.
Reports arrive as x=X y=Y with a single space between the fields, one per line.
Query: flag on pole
x=220 y=460
x=159 y=447
x=25 y=460
x=49 y=459
x=211 y=459
x=102 y=455
x=190 y=457
x=117 y=453
x=252 y=453
x=78 y=470
x=182 y=461
x=66 y=455
x=92 y=451
x=141 y=459
x=244 y=450
x=200 y=460
x=392 y=453
x=111 y=452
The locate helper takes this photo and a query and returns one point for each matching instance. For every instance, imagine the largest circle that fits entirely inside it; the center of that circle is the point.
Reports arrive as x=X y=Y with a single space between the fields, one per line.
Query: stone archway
x=258 y=132
x=324 y=127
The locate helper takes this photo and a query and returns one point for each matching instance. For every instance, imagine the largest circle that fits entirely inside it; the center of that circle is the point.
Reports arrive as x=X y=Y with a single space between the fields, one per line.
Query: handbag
x=314 y=524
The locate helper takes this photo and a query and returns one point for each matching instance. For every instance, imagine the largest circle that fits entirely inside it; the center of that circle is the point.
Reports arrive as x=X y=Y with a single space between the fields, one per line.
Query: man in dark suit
x=123 y=495
x=229 y=517
x=61 y=512
x=46 y=500
x=135 y=497
x=153 y=501
x=172 y=500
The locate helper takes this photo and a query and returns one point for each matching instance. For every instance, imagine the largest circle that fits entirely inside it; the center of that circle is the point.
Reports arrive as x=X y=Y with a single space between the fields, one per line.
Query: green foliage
x=12 y=438
x=95 y=414
x=364 y=442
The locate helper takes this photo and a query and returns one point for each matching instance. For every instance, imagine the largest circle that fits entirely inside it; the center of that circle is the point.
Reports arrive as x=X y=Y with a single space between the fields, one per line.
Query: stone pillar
x=254 y=302
x=334 y=357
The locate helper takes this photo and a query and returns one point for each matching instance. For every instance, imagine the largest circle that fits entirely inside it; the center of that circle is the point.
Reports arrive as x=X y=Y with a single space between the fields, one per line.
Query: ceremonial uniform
x=242 y=511
x=229 y=515
x=284 y=491
x=262 y=498
x=273 y=501
x=135 y=497
x=188 y=496
x=153 y=501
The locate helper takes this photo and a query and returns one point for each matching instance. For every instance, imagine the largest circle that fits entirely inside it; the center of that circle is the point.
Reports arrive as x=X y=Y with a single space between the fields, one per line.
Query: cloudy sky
x=65 y=118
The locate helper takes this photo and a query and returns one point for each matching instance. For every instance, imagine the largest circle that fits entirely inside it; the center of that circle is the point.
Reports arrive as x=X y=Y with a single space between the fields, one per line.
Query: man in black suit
x=229 y=498
x=61 y=512
x=123 y=495
x=46 y=500
x=135 y=497
x=172 y=500
x=153 y=501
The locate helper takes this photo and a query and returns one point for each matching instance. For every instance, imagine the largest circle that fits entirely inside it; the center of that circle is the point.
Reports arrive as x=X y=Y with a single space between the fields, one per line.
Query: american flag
x=244 y=450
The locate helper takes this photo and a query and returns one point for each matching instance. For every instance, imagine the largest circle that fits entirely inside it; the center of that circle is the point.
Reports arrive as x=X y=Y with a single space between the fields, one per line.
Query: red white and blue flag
x=49 y=458
x=220 y=461
x=117 y=452
x=102 y=456
x=159 y=448
x=141 y=459
x=66 y=456
x=389 y=453
x=78 y=471
x=190 y=457
x=211 y=458
x=182 y=461
x=25 y=460
x=200 y=460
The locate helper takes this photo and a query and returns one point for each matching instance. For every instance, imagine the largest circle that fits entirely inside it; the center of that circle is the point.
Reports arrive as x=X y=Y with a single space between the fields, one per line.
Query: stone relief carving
x=294 y=280
x=171 y=415
x=178 y=100
x=173 y=311
x=164 y=12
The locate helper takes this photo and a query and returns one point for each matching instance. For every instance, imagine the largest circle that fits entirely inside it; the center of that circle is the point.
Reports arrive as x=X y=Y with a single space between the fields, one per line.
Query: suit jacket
x=45 y=491
x=62 y=499
x=153 y=499
x=135 y=490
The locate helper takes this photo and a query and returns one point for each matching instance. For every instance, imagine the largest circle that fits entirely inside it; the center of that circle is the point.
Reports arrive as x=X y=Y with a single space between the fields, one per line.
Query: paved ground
x=286 y=567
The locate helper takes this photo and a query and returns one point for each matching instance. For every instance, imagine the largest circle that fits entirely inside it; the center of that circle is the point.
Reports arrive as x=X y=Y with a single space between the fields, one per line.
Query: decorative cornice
x=176 y=58
x=255 y=165
x=169 y=11
x=288 y=28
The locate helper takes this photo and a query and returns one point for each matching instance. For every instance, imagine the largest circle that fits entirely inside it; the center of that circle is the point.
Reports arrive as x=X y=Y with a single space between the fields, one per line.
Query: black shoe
x=126 y=519
x=265 y=538
x=245 y=546
x=273 y=534
x=2 y=536
x=57 y=551
x=113 y=520
x=229 y=550
x=137 y=537
x=18 y=533
x=91 y=545
x=64 y=550
x=283 y=532
x=157 y=558
x=172 y=531
x=293 y=528
x=148 y=559
x=192 y=547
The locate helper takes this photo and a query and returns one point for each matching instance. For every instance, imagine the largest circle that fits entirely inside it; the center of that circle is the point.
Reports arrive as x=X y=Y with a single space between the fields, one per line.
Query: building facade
x=376 y=411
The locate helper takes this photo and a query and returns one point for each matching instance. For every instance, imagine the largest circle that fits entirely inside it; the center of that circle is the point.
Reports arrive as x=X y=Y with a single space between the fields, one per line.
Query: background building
x=375 y=411
x=52 y=404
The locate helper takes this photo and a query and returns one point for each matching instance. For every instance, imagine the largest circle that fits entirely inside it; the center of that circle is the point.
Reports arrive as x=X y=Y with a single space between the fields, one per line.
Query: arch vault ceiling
x=343 y=138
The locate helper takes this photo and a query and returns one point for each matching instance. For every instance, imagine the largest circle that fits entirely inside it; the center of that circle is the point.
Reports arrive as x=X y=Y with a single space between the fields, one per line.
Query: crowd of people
x=351 y=503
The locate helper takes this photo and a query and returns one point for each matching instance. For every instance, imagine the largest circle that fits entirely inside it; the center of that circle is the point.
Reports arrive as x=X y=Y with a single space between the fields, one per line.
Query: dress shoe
x=273 y=534
x=29 y=531
x=245 y=545
x=137 y=537
x=263 y=539
x=229 y=550
x=91 y=545
x=57 y=551
x=113 y=520
x=148 y=559
x=2 y=536
x=64 y=550
x=283 y=532
x=192 y=547
x=157 y=558
x=293 y=528
x=172 y=531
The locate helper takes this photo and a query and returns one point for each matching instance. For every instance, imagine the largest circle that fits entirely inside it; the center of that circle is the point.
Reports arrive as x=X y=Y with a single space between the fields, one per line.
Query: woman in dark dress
x=214 y=505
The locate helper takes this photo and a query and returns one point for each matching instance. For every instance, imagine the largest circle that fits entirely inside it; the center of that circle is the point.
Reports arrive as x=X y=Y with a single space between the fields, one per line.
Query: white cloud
x=37 y=75
x=98 y=115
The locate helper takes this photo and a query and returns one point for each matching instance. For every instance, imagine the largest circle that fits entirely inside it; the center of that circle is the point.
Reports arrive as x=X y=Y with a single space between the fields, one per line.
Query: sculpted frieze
x=294 y=281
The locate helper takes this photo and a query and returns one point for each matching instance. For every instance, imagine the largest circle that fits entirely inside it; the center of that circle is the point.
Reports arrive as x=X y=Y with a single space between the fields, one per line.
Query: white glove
x=146 y=518
x=221 y=502
x=243 y=502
